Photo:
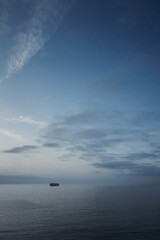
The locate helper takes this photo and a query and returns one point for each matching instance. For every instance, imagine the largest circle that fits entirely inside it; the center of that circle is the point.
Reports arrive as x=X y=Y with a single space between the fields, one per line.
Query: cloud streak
x=46 y=19
x=27 y=120
x=11 y=134
x=51 y=145
x=25 y=148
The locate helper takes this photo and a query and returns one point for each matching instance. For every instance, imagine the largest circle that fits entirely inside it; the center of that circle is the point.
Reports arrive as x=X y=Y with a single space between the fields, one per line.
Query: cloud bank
x=124 y=148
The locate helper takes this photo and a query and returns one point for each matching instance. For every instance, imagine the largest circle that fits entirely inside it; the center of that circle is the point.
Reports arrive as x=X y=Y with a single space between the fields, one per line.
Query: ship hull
x=54 y=184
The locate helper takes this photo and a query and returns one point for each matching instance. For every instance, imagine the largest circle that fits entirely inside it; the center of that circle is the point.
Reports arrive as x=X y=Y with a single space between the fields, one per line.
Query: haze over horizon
x=80 y=90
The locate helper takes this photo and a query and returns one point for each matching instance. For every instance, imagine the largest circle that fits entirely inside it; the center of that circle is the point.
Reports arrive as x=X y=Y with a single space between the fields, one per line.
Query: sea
x=79 y=212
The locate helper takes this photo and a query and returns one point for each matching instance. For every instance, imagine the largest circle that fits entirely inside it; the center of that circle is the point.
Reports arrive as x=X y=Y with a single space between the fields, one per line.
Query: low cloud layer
x=125 y=147
x=130 y=168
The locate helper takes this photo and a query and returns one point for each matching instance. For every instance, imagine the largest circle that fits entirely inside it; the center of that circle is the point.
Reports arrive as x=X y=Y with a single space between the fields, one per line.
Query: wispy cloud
x=25 y=148
x=46 y=18
x=11 y=134
x=27 y=120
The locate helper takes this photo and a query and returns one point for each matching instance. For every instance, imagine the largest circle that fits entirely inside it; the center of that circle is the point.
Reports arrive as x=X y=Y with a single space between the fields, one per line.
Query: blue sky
x=79 y=90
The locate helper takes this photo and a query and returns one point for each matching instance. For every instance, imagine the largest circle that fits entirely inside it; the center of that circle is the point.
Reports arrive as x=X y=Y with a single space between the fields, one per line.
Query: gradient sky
x=80 y=90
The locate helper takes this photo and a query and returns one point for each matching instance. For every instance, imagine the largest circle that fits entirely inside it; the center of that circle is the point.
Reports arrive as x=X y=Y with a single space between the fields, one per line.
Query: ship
x=54 y=184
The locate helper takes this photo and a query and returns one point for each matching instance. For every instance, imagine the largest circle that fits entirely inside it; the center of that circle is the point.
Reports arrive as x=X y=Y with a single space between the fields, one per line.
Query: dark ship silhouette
x=54 y=184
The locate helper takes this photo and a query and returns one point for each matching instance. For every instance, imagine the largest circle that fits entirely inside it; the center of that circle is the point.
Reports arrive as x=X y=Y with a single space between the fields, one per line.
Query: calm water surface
x=79 y=212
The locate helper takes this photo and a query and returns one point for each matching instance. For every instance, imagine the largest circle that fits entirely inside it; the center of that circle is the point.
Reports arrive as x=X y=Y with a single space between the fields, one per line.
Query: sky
x=79 y=90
